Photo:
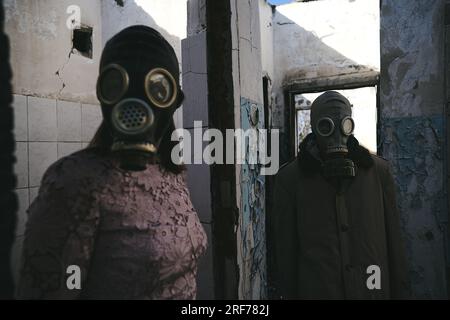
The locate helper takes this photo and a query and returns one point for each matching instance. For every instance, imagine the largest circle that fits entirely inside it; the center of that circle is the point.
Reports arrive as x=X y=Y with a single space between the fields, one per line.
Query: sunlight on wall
x=350 y=28
x=169 y=16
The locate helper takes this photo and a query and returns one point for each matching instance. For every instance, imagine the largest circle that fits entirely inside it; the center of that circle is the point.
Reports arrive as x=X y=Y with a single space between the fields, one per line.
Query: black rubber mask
x=139 y=91
x=332 y=124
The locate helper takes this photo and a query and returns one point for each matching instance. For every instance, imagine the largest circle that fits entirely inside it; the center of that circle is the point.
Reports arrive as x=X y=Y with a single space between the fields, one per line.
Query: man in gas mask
x=336 y=227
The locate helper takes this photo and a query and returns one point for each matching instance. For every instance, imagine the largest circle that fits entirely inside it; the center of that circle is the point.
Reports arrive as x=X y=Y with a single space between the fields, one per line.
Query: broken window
x=82 y=41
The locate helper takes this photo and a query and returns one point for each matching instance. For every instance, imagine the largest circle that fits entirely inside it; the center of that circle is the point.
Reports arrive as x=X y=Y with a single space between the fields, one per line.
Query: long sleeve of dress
x=60 y=232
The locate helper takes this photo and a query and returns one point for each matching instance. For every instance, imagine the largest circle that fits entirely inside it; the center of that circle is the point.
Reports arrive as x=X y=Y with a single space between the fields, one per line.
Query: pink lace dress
x=134 y=235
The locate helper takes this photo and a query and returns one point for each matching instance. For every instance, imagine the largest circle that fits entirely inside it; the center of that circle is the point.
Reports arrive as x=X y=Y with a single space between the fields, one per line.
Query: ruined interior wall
x=412 y=130
x=41 y=57
x=266 y=24
x=321 y=40
x=326 y=38
x=248 y=93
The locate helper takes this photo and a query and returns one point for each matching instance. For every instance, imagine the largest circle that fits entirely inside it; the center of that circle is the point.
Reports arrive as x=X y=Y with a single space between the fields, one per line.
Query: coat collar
x=310 y=163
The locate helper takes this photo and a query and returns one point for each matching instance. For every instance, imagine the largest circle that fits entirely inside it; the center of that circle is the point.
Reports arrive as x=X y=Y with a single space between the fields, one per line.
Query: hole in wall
x=120 y=3
x=82 y=41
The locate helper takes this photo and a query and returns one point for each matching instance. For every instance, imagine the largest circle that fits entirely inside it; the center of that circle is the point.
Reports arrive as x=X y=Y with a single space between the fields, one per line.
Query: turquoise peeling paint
x=409 y=141
x=253 y=208
x=415 y=148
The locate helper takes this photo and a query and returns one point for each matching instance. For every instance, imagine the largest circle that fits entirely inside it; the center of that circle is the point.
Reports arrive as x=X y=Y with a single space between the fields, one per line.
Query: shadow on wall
x=300 y=54
x=117 y=15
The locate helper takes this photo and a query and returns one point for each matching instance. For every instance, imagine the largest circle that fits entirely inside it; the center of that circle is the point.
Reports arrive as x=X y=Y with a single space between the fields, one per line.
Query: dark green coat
x=324 y=241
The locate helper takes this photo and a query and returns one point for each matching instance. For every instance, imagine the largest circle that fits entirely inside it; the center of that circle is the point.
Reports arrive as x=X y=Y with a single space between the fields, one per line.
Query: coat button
x=344 y=227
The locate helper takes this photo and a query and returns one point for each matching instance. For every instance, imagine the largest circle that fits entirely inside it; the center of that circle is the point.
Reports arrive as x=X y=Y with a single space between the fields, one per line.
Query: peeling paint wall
x=266 y=24
x=251 y=230
x=248 y=34
x=412 y=102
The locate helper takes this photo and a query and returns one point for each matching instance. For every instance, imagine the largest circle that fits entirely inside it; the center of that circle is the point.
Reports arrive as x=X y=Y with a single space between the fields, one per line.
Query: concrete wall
x=195 y=85
x=266 y=14
x=248 y=57
x=326 y=38
x=412 y=129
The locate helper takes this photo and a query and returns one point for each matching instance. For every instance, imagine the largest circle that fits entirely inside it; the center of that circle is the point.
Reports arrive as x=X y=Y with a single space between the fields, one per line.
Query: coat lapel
x=310 y=164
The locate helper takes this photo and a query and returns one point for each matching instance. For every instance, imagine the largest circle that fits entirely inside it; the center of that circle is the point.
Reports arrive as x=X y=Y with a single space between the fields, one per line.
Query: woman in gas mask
x=115 y=221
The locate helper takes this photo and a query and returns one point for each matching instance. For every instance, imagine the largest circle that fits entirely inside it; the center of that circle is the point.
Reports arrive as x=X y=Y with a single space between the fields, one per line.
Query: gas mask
x=139 y=91
x=332 y=125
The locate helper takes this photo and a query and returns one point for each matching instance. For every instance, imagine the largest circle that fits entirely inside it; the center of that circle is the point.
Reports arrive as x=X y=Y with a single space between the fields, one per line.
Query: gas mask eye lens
x=161 y=88
x=112 y=84
x=325 y=127
x=347 y=126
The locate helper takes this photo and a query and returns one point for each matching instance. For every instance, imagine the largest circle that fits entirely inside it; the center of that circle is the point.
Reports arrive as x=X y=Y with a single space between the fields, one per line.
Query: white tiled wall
x=21 y=167
x=91 y=116
x=45 y=130
x=40 y=156
x=42 y=124
x=69 y=121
